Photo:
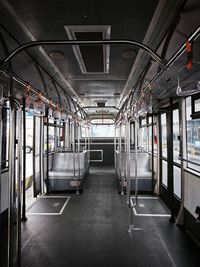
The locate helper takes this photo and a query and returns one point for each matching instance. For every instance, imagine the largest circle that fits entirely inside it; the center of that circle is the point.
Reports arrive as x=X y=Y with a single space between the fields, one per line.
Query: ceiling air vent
x=91 y=59
x=101 y=104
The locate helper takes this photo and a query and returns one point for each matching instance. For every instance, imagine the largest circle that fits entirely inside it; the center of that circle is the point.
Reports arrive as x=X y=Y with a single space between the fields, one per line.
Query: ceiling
x=143 y=21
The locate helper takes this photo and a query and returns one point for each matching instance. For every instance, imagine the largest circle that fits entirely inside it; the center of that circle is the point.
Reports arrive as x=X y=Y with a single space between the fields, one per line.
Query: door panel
x=170 y=188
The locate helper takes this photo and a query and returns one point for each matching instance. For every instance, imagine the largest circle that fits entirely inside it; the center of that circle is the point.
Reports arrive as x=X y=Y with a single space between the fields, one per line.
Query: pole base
x=133 y=228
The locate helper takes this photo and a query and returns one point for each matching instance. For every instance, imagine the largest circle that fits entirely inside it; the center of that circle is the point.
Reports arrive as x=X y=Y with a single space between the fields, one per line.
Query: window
x=60 y=137
x=150 y=120
x=45 y=139
x=176 y=145
x=37 y=135
x=164 y=134
x=150 y=138
x=177 y=181
x=29 y=143
x=155 y=142
x=56 y=135
x=164 y=172
x=83 y=132
x=164 y=149
x=102 y=130
x=102 y=121
x=51 y=138
x=142 y=138
x=197 y=105
x=143 y=122
x=145 y=134
x=5 y=136
x=176 y=152
x=193 y=136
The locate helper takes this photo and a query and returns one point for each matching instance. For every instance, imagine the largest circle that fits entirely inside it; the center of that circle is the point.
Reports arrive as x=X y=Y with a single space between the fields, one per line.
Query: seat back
x=143 y=161
x=63 y=161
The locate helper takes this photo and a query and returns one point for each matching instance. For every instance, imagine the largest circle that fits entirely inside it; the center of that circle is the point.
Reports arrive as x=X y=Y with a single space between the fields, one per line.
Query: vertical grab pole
x=182 y=107
x=128 y=171
x=85 y=137
x=86 y=142
x=115 y=150
x=130 y=203
x=120 y=159
x=14 y=106
x=47 y=141
x=11 y=183
x=79 y=171
x=89 y=143
x=136 y=162
x=152 y=152
x=19 y=155
x=74 y=148
x=88 y=148
x=67 y=135
x=34 y=156
x=42 y=154
x=24 y=162
x=1 y=126
x=128 y=163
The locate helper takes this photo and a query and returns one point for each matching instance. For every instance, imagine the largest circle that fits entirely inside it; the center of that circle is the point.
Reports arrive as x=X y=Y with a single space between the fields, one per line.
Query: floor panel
x=93 y=231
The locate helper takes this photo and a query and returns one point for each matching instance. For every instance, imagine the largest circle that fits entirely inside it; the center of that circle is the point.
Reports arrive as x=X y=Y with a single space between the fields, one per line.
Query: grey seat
x=144 y=173
x=62 y=175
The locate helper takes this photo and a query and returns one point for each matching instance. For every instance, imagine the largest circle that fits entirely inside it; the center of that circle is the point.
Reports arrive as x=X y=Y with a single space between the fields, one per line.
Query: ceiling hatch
x=101 y=104
x=93 y=59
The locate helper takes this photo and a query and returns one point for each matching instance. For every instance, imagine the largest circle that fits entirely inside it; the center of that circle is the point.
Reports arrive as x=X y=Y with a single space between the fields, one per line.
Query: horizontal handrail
x=21 y=48
x=189 y=161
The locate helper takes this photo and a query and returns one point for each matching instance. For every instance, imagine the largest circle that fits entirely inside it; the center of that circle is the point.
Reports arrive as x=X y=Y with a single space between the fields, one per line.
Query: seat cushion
x=142 y=175
x=69 y=173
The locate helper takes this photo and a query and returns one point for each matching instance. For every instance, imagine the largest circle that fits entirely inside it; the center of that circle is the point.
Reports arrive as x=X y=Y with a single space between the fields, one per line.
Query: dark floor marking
x=48 y=205
x=150 y=207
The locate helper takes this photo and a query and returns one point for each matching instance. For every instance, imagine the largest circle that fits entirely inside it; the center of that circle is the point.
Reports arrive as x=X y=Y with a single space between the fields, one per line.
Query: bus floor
x=93 y=231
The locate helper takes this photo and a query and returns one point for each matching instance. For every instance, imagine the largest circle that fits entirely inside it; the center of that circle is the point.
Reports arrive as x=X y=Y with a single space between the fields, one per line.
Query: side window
x=193 y=132
x=5 y=137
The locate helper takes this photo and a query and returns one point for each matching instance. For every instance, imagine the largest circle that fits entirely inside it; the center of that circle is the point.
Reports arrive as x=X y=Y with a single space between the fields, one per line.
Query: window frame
x=4 y=150
x=56 y=125
x=193 y=116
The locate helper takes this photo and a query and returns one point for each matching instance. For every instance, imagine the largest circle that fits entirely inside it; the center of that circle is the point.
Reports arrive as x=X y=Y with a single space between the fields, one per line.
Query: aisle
x=93 y=231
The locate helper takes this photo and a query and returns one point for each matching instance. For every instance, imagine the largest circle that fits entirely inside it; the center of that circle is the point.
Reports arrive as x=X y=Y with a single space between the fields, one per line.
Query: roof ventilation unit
x=101 y=104
x=93 y=59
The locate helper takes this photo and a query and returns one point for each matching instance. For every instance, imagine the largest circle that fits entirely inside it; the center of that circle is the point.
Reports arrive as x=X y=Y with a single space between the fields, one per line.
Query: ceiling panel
x=128 y=20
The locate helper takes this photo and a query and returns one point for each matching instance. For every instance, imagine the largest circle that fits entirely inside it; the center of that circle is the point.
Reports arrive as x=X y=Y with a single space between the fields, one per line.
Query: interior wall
x=4 y=192
x=192 y=194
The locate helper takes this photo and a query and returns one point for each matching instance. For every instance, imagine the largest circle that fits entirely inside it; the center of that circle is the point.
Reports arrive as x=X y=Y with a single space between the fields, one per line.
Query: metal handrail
x=189 y=161
x=193 y=37
x=156 y=57
x=130 y=202
x=15 y=106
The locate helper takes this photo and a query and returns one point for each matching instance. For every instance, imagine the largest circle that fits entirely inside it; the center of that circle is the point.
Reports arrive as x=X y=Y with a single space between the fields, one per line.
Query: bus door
x=10 y=182
x=38 y=148
x=170 y=172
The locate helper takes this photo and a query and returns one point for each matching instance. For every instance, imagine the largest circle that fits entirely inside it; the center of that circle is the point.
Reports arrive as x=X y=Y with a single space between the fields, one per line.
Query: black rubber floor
x=93 y=231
